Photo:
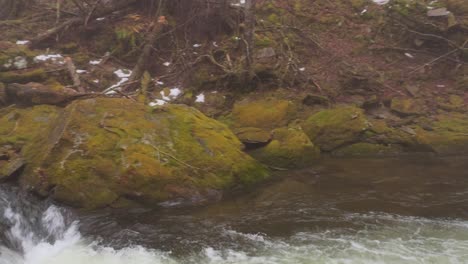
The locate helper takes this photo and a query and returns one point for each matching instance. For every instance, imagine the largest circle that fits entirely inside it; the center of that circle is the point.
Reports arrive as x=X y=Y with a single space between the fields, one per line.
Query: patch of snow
x=157 y=102
x=302 y=69
x=22 y=42
x=364 y=11
x=440 y=86
x=200 y=98
x=95 y=62
x=167 y=64
x=123 y=74
x=81 y=71
x=47 y=57
x=158 y=82
x=173 y=94
x=96 y=81
x=100 y=18
x=215 y=44
x=381 y=2
x=20 y=63
x=409 y=55
x=197 y=45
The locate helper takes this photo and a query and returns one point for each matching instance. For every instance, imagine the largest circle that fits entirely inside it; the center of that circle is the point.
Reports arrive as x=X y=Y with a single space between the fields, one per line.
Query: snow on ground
x=95 y=62
x=55 y=58
x=200 y=98
x=157 y=102
x=22 y=42
x=381 y=2
x=124 y=75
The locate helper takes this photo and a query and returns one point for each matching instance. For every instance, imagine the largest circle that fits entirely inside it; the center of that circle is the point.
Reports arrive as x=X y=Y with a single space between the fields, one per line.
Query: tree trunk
x=249 y=38
x=11 y=8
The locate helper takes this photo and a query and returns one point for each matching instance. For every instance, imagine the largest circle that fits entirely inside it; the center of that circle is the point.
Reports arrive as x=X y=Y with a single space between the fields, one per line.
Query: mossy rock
x=407 y=107
x=452 y=103
x=103 y=150
x=289 y=148
x=36 y=75
x=252 y=135
x=15 y=57
x=265 y=113
x=449 y=135
x=332 y=128
x=18 y=127
x=368 y=150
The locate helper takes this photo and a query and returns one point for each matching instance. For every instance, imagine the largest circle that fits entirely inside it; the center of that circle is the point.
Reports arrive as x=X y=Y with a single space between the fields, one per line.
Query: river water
x=408 y=210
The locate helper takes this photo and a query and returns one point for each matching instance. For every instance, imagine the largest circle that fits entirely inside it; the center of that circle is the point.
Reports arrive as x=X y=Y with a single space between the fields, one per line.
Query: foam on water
x=392 y=239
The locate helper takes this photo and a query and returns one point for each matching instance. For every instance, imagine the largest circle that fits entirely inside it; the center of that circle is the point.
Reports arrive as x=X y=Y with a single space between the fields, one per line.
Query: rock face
x=101 y=152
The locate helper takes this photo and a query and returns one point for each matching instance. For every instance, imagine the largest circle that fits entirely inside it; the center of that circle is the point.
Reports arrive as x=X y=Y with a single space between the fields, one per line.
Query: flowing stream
x=409 y=210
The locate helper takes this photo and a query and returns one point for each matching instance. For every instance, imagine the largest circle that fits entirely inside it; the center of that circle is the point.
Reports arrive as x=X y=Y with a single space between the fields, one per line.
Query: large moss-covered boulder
x=332 y=128
x=101 y=152
x=289 y=148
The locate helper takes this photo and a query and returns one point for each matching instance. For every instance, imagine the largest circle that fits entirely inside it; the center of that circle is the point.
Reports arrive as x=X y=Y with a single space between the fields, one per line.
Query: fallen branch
x=74 y=75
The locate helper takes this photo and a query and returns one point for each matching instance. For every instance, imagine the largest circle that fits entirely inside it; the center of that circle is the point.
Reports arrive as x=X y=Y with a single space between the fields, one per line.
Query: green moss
x=101 y=150
x=252 y=135
x=453 y=103
x=36 y=75
x=10 y=55
x=333 y=128
x=407 y=107
x=289 y=148
x=266 y=114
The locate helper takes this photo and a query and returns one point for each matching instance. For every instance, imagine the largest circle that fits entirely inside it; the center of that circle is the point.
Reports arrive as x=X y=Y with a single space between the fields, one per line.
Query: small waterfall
x=32 y=229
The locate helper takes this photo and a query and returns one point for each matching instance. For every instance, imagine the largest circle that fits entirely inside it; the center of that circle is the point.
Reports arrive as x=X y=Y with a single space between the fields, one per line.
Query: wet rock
x=9 y=168
x=330 y=129
x=100 y=151
x=289 y=148
x=368 y=150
